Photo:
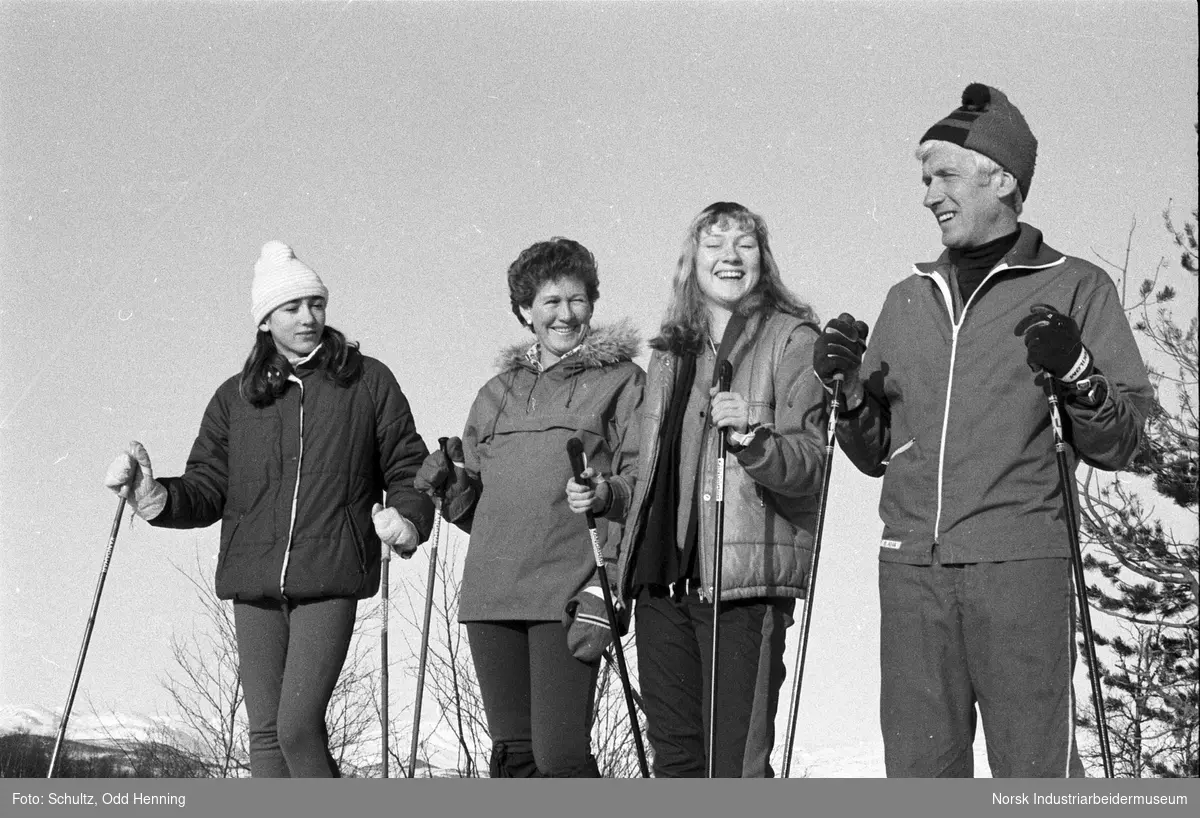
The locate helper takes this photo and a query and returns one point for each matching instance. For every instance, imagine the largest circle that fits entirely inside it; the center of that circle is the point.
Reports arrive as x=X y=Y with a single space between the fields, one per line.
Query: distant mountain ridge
x=93 y=735
x=92 y=728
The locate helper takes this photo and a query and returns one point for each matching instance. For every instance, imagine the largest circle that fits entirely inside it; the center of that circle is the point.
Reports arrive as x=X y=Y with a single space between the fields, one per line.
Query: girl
x=293 y=457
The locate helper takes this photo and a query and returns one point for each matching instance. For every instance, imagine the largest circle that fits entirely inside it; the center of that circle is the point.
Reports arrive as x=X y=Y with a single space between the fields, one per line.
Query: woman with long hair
x=294 y=456
x=728 y=303
x=530 y=597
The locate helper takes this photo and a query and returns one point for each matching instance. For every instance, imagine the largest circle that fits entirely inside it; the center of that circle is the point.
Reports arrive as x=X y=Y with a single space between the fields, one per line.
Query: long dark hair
x=685 y=325
x=265 y=373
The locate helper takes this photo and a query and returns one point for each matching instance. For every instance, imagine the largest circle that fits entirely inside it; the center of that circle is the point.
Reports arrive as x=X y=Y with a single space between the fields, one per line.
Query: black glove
x=839 y=348
x=586 y=621
x=437 y=470
x=1053 y=344
x=444 y=476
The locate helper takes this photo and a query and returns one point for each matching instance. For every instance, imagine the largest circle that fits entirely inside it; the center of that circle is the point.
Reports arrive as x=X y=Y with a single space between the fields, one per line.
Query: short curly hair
x=547 y=261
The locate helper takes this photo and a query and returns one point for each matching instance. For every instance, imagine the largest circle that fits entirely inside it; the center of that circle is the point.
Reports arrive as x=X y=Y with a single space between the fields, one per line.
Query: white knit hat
x=280 y=277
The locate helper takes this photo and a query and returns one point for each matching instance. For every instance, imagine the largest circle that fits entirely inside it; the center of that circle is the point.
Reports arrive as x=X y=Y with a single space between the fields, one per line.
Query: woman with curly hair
x=529 y=560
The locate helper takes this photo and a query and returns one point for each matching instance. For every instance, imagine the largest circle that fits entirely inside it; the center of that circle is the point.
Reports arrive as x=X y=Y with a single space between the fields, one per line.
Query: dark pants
x=290 y=656
x=674 y=648
x=538 y=699
x=997 y=634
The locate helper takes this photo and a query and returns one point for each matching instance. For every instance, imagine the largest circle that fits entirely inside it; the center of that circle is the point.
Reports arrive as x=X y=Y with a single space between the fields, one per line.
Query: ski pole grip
x=575 y=453
x=725 y=376
x=440 y=491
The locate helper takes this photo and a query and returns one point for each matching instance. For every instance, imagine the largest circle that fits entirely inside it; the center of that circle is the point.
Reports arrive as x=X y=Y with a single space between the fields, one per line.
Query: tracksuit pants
x=674 y=649
x=1000 y=635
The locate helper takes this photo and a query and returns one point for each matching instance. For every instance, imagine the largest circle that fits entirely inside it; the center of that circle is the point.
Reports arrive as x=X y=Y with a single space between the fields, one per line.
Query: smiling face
x=559 y=317
x=969 y=205
x=728 y=264
x=297 y=326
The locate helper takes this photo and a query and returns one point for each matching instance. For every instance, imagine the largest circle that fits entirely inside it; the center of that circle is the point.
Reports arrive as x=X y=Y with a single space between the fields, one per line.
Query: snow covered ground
x=863 y=760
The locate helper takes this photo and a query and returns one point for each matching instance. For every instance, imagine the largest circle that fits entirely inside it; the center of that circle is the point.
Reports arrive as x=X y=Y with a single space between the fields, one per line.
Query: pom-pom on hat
x=280 y=277
x=989 y=124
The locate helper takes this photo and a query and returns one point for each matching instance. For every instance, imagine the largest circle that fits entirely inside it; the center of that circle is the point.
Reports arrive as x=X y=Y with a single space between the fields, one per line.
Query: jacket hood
x=605 y=345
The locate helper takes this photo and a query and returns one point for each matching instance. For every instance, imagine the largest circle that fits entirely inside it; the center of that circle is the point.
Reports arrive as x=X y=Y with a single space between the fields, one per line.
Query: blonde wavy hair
x=685 y=326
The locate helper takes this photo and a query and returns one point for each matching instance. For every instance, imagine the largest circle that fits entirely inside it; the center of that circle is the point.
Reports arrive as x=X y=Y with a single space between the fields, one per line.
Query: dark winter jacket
x=529 y=554
x=772 y=485
x=293 y=484
x=957 y=425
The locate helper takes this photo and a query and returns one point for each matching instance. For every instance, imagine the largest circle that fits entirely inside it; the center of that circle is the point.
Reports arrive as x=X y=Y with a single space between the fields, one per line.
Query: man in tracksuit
x=947 y=405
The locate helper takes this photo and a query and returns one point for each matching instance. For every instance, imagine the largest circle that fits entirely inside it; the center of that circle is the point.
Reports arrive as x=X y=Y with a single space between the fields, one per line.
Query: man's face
x=966 y=203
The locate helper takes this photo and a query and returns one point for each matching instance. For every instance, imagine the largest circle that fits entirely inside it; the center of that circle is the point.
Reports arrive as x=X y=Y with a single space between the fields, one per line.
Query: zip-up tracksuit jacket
x=974 y=576
x=955 y=423
x=293 y=484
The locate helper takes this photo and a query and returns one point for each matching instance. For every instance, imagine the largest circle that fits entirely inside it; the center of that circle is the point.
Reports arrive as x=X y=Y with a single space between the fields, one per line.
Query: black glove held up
x=839 y=348
x=1053 y=343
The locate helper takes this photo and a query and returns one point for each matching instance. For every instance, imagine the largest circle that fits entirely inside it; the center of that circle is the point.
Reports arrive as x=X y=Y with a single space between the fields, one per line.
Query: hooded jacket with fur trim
x=529 y=554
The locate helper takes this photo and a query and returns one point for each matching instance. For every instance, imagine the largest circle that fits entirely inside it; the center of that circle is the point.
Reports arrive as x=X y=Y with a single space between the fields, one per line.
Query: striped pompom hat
x=280 y=277
x=989 y=124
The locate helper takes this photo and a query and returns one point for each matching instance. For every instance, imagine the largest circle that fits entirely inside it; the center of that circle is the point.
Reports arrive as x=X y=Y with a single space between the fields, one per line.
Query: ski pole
x=575 y=453
x=1085 y=617
x=723 y=381
x=87 y=637
x=810 y=584
x=384 y=564
x=429 y=583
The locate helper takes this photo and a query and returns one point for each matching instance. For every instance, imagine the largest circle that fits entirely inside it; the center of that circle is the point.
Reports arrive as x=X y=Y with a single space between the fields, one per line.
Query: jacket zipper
x=708 y=589
x=718 y=495
x=955 y=326
x=287 y=553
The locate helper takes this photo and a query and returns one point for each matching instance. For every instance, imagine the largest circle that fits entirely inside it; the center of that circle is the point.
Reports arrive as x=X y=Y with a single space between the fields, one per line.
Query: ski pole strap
x=733 y=331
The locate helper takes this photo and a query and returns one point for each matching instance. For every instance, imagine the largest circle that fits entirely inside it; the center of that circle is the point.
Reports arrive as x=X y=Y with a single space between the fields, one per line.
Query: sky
x=409 y=152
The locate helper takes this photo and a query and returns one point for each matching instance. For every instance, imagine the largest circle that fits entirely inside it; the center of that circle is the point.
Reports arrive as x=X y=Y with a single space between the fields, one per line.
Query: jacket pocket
x=360 y=546
x=227 y=532
x=899 y=450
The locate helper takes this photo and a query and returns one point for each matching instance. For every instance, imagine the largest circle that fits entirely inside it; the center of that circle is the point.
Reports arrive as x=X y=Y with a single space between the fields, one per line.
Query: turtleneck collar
x=972 y=264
